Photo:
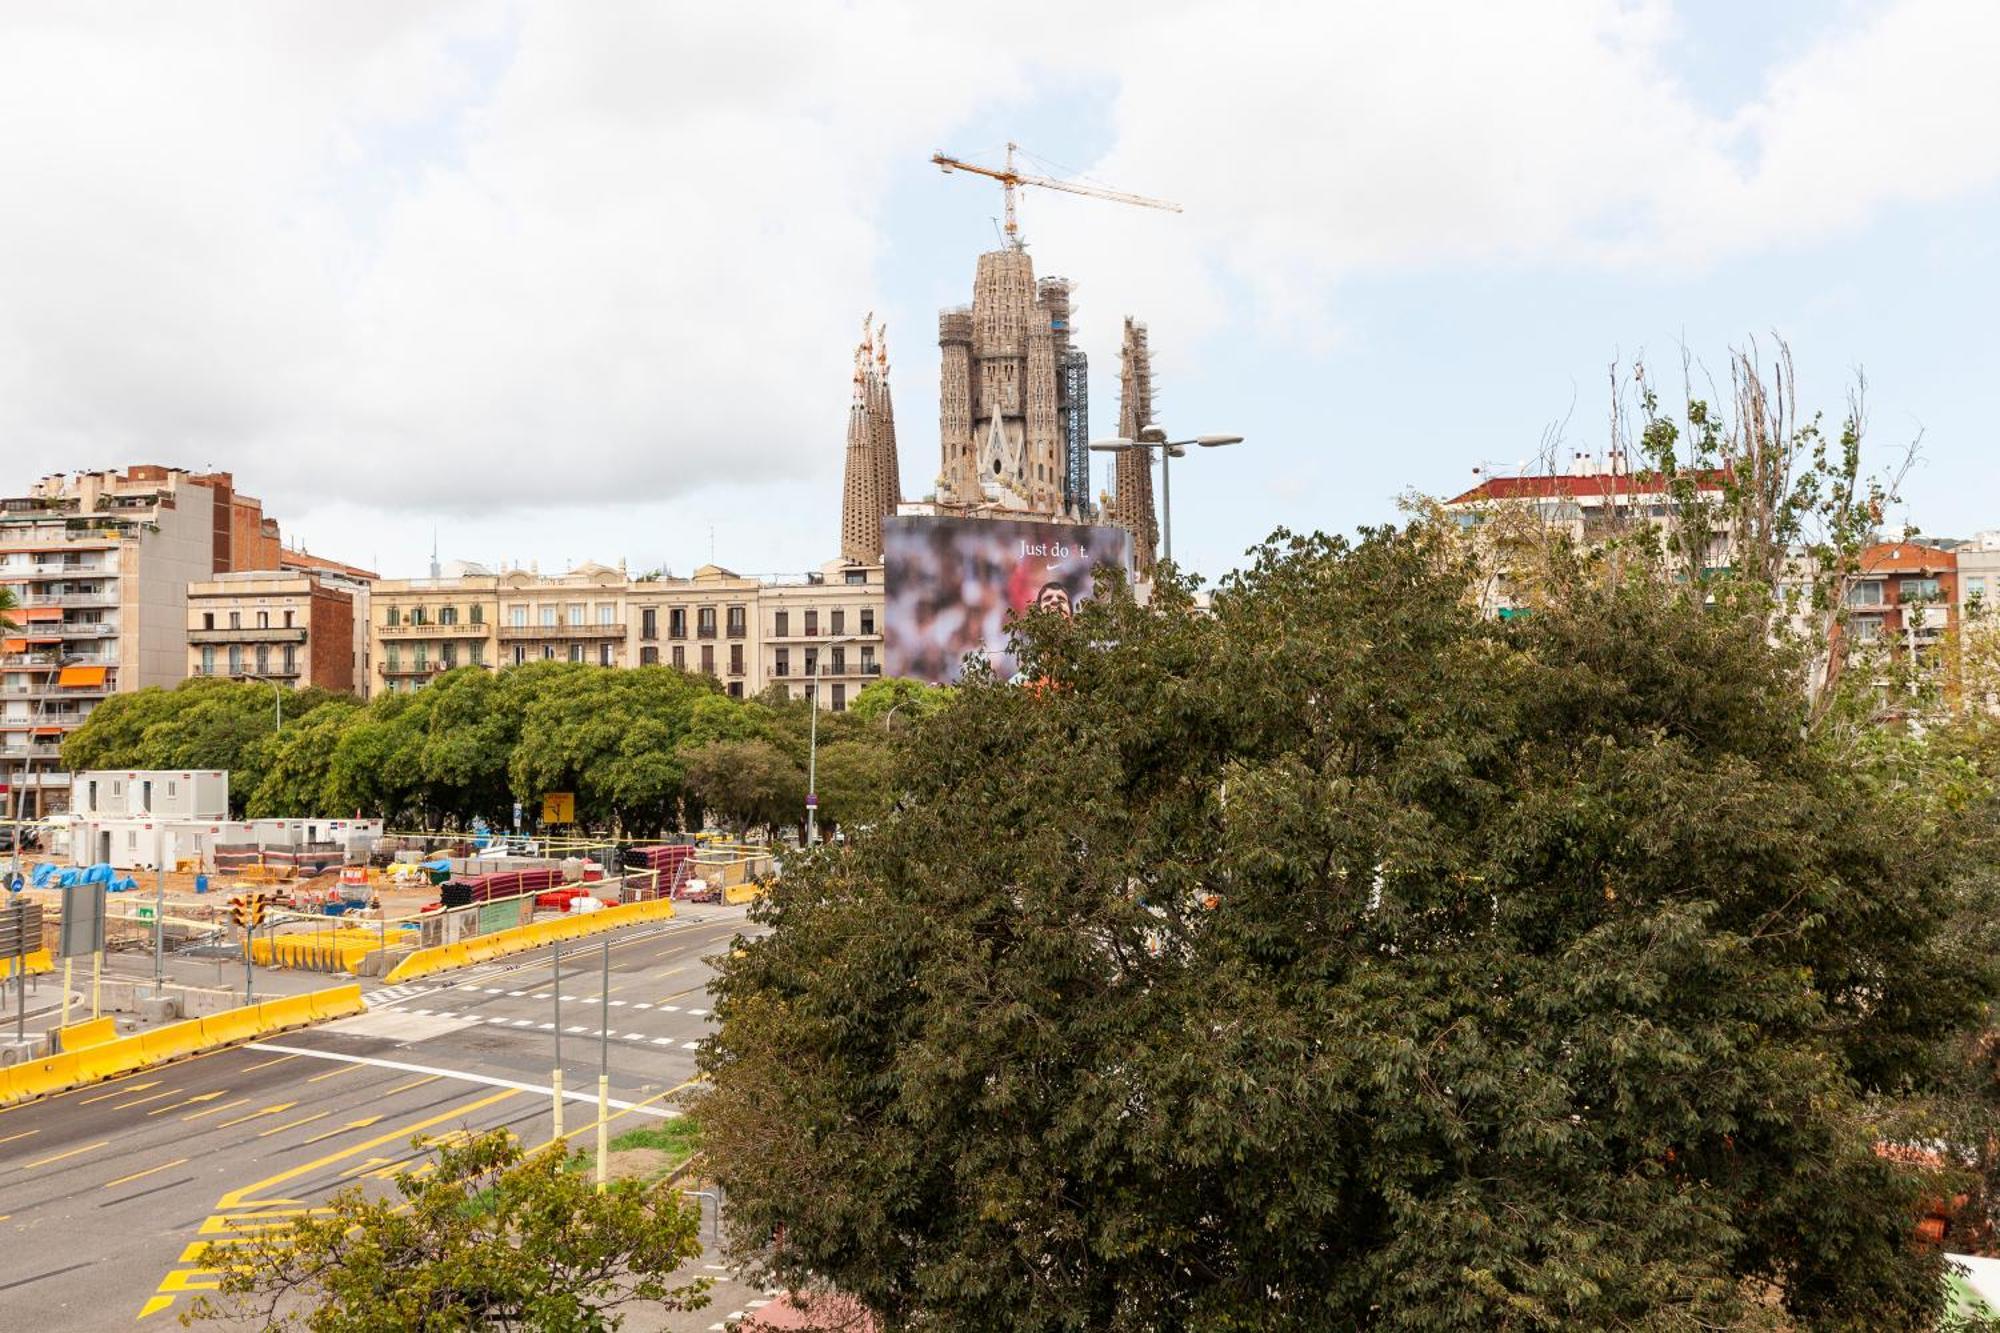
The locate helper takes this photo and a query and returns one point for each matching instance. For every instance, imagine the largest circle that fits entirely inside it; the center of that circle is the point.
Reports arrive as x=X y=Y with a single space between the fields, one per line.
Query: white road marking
x=641 y=1004
x=663 y=1041
x=698 y=1013
x=569 y=1094
x=633 y=1036
x=686 y=1046
x=670 y=1008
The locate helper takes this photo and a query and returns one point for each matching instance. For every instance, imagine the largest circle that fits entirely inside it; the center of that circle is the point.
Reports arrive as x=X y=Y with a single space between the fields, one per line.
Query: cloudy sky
x=569 y=281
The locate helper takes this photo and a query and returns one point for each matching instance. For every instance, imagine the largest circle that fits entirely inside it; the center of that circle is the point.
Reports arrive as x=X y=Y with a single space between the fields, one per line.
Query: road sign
x=20 y=927
x=812 y=800
x=559 y=807
x=82 y=920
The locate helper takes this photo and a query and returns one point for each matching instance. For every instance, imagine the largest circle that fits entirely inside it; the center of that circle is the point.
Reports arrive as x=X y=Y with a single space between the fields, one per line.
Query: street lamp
x=813 y=672
x=277 y=697
x=1155 y=437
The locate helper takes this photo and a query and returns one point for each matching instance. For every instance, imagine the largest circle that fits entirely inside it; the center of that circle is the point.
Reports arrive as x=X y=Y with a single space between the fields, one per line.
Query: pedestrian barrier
x=485 y=948
x=35 y=961
x=172 y=1041
x=93 y=1033
x=738 y=894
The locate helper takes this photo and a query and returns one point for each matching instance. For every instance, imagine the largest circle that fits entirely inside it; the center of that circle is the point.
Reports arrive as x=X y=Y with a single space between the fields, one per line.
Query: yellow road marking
x=293 y=1124
x=202 y=1097
x=136 y=1087
x=141 y=1101
x=344 y=1069
x=367 y=1165
x=22 y=1135
x=235 y=1198
x=155 y=1305
x=261 y=1063
x=226 y=1106
x=269 y=1110
x=73 y=1152
x=137 y=1175
x=405 y=1087
x=352 y=1124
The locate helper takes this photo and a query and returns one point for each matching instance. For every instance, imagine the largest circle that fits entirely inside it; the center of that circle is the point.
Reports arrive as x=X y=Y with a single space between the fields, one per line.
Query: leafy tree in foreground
x=1346 y=960
x=490 y=1239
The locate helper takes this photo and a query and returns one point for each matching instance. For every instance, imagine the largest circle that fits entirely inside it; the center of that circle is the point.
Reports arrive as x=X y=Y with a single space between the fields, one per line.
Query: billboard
x=954 y=583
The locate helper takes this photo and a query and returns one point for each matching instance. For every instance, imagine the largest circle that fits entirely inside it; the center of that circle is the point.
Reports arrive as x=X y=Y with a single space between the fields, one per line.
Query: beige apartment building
x=298 y=627
x=746 y=632
x=99 y=564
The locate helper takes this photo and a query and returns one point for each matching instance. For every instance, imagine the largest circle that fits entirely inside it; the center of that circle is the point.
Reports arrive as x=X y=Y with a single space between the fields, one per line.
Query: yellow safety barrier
x=737 y=894
x=519 y=939
x=93 y=1033
x=122 y=1055
x=35 y=961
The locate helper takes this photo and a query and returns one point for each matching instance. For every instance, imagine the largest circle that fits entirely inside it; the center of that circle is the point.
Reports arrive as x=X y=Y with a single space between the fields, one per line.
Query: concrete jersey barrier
x=172 y=1041
x=520 y=939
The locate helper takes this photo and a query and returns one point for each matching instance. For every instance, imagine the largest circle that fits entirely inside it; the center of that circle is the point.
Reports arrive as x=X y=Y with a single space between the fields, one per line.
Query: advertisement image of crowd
x=954 y=585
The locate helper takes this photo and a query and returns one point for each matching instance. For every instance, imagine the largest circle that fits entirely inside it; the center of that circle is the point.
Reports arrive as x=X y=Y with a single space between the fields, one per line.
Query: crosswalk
x=546 y=1025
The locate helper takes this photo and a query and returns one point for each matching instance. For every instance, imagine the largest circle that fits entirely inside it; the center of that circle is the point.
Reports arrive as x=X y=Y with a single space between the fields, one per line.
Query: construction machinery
x=1010 y=179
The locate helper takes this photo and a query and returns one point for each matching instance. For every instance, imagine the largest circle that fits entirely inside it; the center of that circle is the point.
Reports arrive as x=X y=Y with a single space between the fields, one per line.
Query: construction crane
x=1010 y=178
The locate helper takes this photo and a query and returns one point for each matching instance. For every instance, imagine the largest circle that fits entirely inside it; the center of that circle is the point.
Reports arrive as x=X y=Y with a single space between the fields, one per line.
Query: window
x=649 y=656
x=423 y=651
x=392 y=617
x=393 y=662
x=548 y=652
x=208 y=660
x=738 y=618
x=549 y=614
x=649 y=625
x=604 y=654
x=1866 y=593
x=868 y=667
x=576 y=614
x=1867 y=629
x=812 y=661
x=263 y=620
x=478 y=614
x=517 y=616
x=839 y=623
x=857 y=576
x=236 y=620
x=208 y=620
x=477 y=652
x=680 y=658
x=705 y=622
x=291 y=660
x=708 y=659
x=781 y=624
x=263 y=659
x=288 y=620
x=520 y=653
x=837 y=661
x=781 y=662
x=735 y=659
x=1919 y=589
x=868 y=620
x=839 y=698
x=677 y=623
x=607 y=613
x=576 y=652
x=736 y=689
x=812 y=622
x=235 y=660
x=448 y=615
x=173 y=788
x=448 y=655
x=420 y=616
x=1975 y=586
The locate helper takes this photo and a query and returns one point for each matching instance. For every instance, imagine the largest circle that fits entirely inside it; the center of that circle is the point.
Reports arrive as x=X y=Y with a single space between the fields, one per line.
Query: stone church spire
x=872 y=488
x=1132 y=482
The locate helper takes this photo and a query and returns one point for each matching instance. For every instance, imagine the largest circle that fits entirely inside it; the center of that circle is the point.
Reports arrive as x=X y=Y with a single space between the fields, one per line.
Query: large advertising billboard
x=954 y=583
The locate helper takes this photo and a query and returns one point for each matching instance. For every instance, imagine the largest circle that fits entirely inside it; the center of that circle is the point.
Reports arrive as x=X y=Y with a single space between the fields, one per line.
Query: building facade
x=296 y=627
x=99 y=564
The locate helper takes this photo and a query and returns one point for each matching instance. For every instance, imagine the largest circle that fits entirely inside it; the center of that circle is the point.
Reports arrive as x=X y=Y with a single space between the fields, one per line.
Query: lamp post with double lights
x=813 y=673
x=1155 y=437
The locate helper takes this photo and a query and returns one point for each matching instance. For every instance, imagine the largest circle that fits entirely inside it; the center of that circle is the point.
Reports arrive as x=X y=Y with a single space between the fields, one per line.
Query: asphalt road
x=108 y=1192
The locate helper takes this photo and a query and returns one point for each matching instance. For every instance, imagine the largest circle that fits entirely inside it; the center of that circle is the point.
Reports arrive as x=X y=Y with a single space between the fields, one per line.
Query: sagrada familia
x=1013 y=418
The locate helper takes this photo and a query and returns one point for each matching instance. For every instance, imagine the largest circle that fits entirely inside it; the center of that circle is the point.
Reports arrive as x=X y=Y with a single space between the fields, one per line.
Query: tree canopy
x=1345 y=959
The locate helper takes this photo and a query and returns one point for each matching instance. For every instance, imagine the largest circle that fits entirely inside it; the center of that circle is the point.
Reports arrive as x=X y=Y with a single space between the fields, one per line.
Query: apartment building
x=1905 y=596
x=99 y=564
x=300 y=627
x=746 y=632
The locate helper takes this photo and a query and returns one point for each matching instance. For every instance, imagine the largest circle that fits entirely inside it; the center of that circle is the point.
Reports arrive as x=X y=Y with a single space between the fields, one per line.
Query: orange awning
x=44 y=638
x=13 y=645
x=85 y=675
x=48 y=731
x=29 y=615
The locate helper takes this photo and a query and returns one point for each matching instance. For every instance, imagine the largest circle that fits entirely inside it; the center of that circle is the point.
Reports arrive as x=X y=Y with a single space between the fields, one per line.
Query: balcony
x=276 y=671
x=421 y=669
x=81 y=630
x=513 y=633
x=68 y=599
x=473 y=629
x=21 y=754
x=277 y=634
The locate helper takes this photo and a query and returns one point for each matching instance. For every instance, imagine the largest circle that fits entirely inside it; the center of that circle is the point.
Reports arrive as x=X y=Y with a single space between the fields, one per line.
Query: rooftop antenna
x=434 y=551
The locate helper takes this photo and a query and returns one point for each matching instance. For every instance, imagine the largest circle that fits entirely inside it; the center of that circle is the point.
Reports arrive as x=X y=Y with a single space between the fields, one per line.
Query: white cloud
x=458 y=257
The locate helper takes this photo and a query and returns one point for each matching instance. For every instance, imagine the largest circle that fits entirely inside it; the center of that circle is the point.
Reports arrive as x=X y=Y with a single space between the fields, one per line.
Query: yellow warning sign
x=559 y=807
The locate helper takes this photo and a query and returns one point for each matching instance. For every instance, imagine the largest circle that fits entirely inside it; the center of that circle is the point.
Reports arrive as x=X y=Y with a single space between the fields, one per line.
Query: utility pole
x=604 y=1073
x=555 y=1081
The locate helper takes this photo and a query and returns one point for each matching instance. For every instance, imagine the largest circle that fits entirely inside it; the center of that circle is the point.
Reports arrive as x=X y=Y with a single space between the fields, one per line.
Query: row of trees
x=644 y=750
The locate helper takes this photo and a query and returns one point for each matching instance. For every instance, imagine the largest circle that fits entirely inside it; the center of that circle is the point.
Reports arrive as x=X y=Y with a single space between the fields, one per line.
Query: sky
x=546 y=283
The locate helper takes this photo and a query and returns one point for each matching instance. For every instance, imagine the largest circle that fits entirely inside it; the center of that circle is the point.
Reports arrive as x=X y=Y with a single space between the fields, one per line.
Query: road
x=108 y=1192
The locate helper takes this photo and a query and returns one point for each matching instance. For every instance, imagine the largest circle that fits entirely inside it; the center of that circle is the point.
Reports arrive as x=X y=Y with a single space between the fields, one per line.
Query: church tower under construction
x=873 y=485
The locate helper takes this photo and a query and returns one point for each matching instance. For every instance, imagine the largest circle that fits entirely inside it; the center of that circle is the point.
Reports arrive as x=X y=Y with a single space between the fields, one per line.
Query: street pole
x=96 y=976
x=160 y=915
x=604 y=1074
x=69 y=965
x=249 y=952
x=812 y=758
x=20 y=968
x=555 y=1081
x=1167 y=500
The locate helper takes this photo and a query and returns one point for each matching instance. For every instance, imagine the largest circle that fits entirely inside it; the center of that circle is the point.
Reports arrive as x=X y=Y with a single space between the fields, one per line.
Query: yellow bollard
x=96 y=971
x=67 y=963
x=603 y=1120
x=556 y=1082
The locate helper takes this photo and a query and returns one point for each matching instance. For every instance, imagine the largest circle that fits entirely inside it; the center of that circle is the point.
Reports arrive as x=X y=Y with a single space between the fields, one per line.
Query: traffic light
x=248 y=910
x=239 y=912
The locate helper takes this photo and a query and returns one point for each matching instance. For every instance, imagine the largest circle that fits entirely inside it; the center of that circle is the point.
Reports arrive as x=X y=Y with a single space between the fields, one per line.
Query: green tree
x=612 y=737
x=749 y=783
x=490 y=1239
x=1344 y=959
x=856 y=781
x=298 y=779
x=896 y=700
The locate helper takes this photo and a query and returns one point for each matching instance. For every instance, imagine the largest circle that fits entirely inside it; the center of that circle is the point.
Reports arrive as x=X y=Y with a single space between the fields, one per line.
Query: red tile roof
x=1573 y=486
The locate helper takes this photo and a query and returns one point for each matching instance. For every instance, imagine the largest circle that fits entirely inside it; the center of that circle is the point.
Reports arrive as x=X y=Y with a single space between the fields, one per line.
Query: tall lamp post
x=277 y=697
x=1155 y=437
x=813 y=673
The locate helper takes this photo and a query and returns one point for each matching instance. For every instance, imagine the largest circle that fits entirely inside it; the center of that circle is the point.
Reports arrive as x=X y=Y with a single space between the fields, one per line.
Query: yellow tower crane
x=1009 y=179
